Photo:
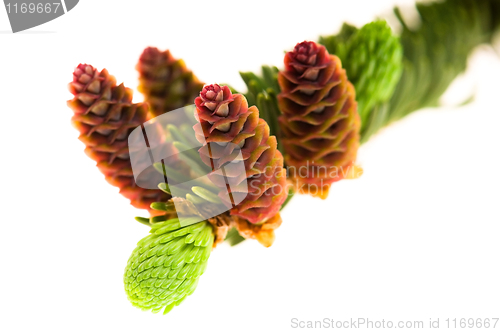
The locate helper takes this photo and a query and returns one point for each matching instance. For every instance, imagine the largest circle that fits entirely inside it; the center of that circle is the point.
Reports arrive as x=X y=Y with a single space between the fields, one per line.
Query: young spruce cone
x=320 y=124
x=105 y=115
x=166 y=83
x=373 y=62
x=225 y=118
x=166 y=265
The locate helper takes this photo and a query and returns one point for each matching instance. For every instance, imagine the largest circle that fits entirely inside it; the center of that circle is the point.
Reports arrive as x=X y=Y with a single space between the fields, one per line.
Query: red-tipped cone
x=319 y=121
x=105 y=115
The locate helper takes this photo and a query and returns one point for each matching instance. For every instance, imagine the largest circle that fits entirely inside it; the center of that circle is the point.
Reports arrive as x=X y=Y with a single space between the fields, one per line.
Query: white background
x=417 y=237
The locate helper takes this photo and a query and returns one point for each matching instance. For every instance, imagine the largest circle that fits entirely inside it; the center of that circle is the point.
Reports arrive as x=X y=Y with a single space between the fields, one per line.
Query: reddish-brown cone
x=165 y=82
x=319 y=121
x=225 y=118
x=105 y=115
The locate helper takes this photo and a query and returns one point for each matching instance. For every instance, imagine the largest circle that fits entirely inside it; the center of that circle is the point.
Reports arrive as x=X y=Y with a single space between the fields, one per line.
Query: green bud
x=372 y=58
x=165 y=266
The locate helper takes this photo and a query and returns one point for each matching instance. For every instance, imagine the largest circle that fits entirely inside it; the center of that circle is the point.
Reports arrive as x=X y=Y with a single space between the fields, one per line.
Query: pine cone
x=166 y=265
x=319 y=124
x=105 y=115
x=225 y=118
x=166 y=83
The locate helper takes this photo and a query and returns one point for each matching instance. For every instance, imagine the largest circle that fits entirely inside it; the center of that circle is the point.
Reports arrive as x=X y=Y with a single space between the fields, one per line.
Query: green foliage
x=372 y=59
x=436 y=52
x=262 y=92
x=336 y=44
x=233 y=237
x=165 y=266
